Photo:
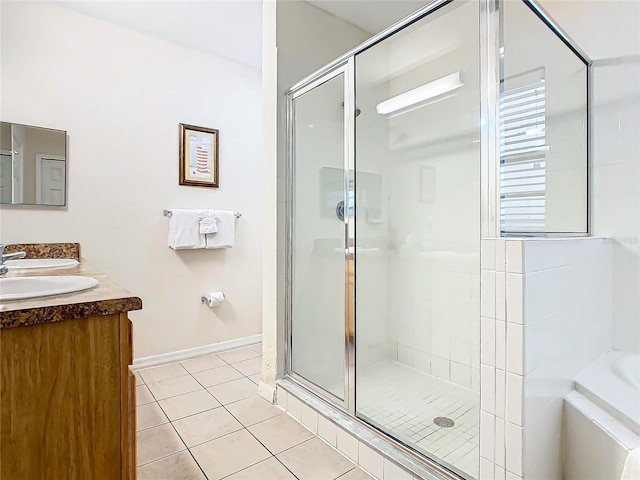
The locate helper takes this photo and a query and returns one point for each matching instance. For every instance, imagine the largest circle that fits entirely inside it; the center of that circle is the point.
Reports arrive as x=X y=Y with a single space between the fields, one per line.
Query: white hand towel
x=225 y=237
x=208 y=222
x=184 y=230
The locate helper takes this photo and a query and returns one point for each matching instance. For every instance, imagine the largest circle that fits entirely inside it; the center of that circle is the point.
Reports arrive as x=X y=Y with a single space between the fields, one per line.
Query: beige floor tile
x=173 y=386
x=238 y=355
x=139 y=379
x=249 y=367
x=143 y=395
x=314 y=459
x=356 y=474
x=269 y=469
x=157 y=442
x=205 y=362
x=253 y=410
x=234 y=390
x=229 y=454
x=188 y=404
x=149 y=415
x=163 y=372
x=255 y=378
x=215 y=376
x=280 y=433
x=180 y=466
x=206 y=426
x=257 y=348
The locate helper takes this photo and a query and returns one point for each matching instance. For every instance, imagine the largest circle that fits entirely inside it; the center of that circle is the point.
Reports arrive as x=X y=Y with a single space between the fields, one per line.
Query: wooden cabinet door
x=60 y=398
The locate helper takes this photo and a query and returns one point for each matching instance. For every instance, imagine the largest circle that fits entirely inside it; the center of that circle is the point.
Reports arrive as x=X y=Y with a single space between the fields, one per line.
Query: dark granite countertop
x=106 y=299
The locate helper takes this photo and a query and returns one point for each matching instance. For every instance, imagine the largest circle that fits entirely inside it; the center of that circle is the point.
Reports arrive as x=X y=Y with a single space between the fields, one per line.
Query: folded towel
x=184 y=230
x=225 y=237
x=208 y=222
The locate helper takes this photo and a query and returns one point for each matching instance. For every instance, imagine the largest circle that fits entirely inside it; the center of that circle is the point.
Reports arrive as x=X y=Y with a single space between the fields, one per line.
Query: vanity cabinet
x=68 y=400
x=67 y=396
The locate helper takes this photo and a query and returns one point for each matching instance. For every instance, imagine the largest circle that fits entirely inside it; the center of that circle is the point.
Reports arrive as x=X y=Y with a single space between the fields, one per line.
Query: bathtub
x=601 y=420
x=613 y=383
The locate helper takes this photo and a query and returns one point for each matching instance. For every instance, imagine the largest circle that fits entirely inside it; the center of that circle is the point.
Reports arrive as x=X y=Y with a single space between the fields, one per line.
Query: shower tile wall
x=546 y=314
x=435 y=272
x=434 y=186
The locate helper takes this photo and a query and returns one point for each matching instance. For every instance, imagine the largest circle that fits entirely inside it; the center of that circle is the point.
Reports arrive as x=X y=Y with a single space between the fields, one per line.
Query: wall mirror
x=33 y=167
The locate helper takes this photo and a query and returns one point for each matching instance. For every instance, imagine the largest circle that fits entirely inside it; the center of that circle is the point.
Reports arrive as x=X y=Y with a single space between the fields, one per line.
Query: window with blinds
x=523 y=149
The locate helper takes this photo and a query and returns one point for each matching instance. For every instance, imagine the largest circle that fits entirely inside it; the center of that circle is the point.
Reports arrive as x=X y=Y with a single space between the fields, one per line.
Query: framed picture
x=198 y=156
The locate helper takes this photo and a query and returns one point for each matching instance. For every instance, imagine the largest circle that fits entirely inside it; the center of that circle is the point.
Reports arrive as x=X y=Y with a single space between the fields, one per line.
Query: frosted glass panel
x=318 y=262
x=418 y=242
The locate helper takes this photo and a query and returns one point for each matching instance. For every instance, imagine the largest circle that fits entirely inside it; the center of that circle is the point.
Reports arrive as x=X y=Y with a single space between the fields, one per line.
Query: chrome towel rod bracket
x=167 y=213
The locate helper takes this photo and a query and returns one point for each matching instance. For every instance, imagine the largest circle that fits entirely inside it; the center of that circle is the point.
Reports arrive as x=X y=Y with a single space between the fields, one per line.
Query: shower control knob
x=340 y=210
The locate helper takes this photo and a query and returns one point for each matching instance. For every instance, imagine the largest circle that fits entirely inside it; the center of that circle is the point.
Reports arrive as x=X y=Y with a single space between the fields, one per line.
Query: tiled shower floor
x=402 y=401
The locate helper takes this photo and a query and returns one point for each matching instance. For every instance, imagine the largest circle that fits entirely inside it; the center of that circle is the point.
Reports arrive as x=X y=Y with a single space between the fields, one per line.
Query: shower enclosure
x=390 y=189
x=385 y=235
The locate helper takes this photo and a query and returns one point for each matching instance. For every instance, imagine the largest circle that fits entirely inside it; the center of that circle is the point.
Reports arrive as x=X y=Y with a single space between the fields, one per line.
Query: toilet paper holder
x=218 y=297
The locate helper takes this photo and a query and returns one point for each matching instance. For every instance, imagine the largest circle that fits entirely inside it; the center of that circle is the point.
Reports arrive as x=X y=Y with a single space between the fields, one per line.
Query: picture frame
x=199 y=160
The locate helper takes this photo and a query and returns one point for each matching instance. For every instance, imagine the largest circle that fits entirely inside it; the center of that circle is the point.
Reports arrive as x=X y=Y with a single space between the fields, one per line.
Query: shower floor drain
x=444 y=422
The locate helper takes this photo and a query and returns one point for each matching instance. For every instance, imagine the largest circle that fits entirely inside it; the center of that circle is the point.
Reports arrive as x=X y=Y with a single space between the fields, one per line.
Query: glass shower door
x=317 y=243
x=418 y=236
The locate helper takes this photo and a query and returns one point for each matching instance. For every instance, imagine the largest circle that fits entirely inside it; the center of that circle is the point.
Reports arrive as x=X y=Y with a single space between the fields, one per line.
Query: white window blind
x=523 y=148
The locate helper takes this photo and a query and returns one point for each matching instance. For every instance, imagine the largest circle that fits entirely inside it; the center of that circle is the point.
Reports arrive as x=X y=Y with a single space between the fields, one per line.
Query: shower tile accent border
x=527 y=282
x=367 y=455
x=502 y=347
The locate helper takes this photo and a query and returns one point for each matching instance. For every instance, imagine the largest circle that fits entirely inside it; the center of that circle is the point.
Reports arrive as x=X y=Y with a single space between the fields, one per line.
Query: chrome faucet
x=8 y=256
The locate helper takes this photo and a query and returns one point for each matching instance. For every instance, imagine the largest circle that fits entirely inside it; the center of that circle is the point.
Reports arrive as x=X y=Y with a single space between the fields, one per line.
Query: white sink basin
x=19 y=288
x=29 y=263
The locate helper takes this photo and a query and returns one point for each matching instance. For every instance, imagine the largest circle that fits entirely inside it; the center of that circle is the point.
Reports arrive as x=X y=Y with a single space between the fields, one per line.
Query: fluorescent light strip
x=421 y=94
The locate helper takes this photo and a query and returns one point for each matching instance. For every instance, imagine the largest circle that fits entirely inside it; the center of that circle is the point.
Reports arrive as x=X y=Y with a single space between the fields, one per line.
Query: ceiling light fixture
x=421 y=94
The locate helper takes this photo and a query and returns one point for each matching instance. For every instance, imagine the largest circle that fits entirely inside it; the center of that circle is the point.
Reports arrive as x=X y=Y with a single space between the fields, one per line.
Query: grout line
x=196 y=462
x=192 y=415
x=184 y=393
x=273 y=455
x=163 y=457
x=244 y=427
x=152 y=426
x=342 y=475
x=288 y=469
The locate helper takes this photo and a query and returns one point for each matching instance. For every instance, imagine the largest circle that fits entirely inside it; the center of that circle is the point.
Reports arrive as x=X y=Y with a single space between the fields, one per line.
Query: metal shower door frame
x=343 y=65
x=345 y=68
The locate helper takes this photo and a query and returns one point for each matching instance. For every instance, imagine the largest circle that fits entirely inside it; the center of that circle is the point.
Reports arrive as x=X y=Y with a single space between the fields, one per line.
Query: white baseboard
x=180 y=355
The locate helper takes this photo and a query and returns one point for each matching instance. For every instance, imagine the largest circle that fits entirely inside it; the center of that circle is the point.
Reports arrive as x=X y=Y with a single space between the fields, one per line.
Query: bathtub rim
x=602 y=386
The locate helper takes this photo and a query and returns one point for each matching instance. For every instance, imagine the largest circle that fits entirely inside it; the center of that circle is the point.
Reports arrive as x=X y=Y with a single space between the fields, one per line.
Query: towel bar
x=167 y=213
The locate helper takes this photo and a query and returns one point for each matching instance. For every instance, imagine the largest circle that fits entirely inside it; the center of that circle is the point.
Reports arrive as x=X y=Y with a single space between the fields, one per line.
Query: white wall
x=121 y=95
x=567 y=324
x=609 y=32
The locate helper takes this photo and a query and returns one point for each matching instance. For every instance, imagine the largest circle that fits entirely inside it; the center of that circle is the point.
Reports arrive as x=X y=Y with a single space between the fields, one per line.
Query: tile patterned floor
x=202 y=419
x=403 y=401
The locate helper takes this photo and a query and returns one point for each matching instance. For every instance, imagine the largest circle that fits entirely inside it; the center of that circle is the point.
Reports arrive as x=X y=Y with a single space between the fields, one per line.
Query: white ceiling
x=230 y=29
x=371 y=16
